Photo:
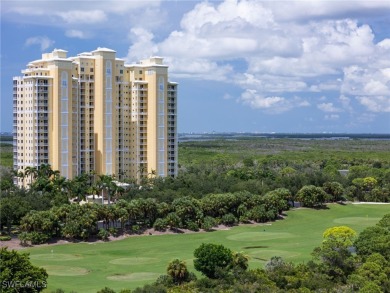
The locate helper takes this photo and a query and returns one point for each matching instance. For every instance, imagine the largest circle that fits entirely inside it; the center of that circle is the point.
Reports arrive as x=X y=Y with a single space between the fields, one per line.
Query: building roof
x=60 y=50
x=100 y=49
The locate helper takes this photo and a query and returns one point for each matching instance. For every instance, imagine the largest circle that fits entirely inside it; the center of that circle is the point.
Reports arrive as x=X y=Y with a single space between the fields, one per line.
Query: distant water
x=304 y=136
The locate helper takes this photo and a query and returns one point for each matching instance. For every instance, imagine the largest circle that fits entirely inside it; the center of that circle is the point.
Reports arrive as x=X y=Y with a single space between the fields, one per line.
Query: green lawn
x=128 y=263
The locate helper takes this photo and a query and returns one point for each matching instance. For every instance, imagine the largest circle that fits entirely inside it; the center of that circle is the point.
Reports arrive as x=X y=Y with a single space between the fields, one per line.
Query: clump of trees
x=82 y=221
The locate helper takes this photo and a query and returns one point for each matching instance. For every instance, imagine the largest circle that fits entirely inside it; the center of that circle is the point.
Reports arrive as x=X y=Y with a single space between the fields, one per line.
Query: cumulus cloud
x=287 y=11
x=286 y=48
x=328 y=107
x=366 y=81
x=199 y=68
x=76 y=34
x=271 y=104
x=43 y=41
x=271 y=83
x=376 y=104
x=205 y=16
x=111 y=13
x=79 y=16
x=143 y=45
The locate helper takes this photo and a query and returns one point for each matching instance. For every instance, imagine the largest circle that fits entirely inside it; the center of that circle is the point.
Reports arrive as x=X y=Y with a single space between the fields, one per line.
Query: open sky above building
x=255 y=66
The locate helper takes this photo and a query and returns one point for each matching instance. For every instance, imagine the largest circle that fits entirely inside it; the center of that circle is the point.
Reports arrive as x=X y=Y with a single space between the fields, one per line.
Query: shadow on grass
x=252 y=247
x=259 y=258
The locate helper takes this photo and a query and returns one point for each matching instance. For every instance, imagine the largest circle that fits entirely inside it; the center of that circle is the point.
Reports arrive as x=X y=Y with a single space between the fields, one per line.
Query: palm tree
x=177 y=269
x=79 y=186
x=133 y=210
x=20 y=175
x=32 y=172
x=106 y=182
x=45 y=170
x=60 y=183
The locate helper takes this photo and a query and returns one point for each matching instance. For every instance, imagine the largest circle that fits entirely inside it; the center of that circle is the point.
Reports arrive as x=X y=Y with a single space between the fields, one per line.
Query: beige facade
x=95 y=113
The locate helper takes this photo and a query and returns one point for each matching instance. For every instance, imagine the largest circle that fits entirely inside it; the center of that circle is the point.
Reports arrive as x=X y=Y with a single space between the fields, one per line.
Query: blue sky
x=255 y=66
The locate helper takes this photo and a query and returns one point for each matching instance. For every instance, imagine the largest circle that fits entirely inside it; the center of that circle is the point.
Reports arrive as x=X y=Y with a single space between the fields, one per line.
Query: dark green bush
x=38 y=238
x=160 y=225
x=5 y=238
x=103 y=234
x=192 y=226
x=229 y=220
x=208 y=223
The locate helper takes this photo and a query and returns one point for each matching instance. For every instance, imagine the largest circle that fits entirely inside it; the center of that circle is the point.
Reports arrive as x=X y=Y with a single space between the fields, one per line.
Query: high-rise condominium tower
x=92 y=112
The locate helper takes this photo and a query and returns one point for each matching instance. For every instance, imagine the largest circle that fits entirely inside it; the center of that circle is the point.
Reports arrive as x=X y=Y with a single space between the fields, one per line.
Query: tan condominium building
x=93 y=112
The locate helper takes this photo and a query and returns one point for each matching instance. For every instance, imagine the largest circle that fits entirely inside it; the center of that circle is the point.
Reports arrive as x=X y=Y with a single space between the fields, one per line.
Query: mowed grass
x=132 y=262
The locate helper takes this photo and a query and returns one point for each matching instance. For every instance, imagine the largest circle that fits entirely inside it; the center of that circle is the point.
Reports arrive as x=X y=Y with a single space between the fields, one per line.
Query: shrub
x=192 y=226
x=229 y=220
x=160 y=225
x=157 y=288
x=38 y=238
x=5 y=238
x=164 y=280
x=244 y=219
x=208 y=223
x=135 y=228
x=258 y=214
x=113 y=231
x=103 y=234
x=24 y=237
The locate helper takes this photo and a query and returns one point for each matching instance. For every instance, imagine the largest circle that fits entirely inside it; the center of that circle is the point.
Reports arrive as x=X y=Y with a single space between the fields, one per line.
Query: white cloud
x=384 y=44
x=43 y=41
x=256 y=101
x=61 y=13
x=81 y=17
x=198 y=68
x=328 y=107
x=76 y=34
x=283 y=51
x=271 y=83
x=376 y=104
x=143 y=46
x=271 y=104
x=287 y=11
x=206 y=16
x=299 y=47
